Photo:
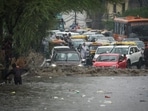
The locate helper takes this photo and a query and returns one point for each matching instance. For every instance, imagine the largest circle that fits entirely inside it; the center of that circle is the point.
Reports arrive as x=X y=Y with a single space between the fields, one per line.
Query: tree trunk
x=97 y=21
x=1 y=30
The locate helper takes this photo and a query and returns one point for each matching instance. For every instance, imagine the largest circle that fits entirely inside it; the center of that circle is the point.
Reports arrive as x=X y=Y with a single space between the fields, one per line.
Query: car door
x=137 y=54
x=122 y=62
x=132 y=55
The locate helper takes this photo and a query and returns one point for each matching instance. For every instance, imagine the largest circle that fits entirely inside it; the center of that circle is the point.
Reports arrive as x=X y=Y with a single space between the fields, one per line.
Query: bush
x=142 y=12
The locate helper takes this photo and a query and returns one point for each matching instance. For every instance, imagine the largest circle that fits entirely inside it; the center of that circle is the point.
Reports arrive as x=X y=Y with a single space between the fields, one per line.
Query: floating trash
x=55 y=97
x=77 y=91
x=83 y=95
x=50 y=77
x=107 y=102
x=107 y=96
x=102 y=105
x=100 y=91
x=38 y=76
x=13 y=92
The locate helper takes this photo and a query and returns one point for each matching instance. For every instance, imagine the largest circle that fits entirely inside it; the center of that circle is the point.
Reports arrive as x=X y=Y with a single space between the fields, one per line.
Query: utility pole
x=75 y=18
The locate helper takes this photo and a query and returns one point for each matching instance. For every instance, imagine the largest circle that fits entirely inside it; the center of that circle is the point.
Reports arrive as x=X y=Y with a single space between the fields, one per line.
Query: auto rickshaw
x=79 y=37
x=125 y=43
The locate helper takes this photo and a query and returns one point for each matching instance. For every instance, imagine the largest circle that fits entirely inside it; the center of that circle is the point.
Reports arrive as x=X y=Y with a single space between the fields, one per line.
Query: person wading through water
x=146 y=55
x=17 y=74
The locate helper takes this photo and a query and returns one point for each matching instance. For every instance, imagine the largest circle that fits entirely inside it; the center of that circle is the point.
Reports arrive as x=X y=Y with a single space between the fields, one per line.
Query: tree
x=26 y=21
x=142 y=12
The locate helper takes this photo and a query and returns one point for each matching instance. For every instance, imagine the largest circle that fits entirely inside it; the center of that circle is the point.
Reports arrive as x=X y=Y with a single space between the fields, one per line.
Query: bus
x=131 y=27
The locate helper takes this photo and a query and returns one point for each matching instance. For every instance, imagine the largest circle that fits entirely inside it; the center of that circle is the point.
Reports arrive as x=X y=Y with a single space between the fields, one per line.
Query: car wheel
x=128 y=64
x=139 y=64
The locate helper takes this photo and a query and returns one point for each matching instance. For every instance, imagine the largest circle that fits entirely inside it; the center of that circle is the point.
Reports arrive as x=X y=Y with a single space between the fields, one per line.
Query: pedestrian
x=16 y=71
x=79 y=48
x=146 y=55
x=83 y=51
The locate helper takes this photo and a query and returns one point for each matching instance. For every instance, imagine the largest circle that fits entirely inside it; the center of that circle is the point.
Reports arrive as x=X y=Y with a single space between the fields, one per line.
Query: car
x=77 y=42
x=92 y=46
x=58 y=48
x=60 y=34
x=93 y=38
x=84 y=37
x=90 y=33
x=133 y=53
x=110 y=60
x=66 y=57
x=138 y=42
x=102 y=49
x=103 y=40
x=111 y=39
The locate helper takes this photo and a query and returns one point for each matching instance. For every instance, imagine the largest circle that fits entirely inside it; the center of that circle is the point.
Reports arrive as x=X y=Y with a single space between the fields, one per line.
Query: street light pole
x=75 y=18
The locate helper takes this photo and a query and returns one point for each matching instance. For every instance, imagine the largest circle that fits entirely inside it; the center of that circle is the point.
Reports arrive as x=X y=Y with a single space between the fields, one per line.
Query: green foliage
x=27 y=21
x=142 y=12
x=108 y=24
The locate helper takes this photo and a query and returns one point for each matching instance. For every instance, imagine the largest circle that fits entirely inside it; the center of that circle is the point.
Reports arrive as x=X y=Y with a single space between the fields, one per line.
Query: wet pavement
x=76 y=94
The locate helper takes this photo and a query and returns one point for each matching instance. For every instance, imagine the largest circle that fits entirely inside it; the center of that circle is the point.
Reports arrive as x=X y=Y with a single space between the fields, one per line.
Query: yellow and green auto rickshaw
x=79 y=37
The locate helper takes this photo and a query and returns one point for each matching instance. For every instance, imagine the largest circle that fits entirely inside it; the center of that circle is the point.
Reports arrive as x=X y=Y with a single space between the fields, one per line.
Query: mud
x=37 y=92
x=35 y=60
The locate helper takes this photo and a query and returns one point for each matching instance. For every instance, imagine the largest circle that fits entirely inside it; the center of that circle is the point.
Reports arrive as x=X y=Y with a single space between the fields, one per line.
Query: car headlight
x=53 y=65
x=80 y=65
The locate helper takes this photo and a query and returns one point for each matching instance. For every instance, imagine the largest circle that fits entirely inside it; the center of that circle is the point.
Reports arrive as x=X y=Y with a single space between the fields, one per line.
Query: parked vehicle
x=133 y=53
x=55 y=48
x=77 y=42
x=92 y=46
x=125 y=43
x=79 y=37
x=110 y=60
x=66 y=57
x=93 y=38
x=138 y=42
x=101 y=50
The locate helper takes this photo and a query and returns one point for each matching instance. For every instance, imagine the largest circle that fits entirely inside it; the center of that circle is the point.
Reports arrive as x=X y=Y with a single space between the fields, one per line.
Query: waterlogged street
x=76 y=93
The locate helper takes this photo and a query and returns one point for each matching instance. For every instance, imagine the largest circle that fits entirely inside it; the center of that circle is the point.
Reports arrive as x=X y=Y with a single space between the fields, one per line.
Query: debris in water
x=107 y=102
x=102 y=105
x=107 y=96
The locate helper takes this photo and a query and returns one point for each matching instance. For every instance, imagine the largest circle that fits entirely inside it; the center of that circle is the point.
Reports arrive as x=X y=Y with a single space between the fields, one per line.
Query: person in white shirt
x=83 y=51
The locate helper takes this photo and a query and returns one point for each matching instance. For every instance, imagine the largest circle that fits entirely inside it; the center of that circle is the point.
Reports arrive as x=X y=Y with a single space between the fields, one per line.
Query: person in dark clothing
x=17 y=74
x=146 y=55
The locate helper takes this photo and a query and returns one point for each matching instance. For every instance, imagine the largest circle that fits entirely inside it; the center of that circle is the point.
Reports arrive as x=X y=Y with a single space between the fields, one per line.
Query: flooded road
x=75 y=93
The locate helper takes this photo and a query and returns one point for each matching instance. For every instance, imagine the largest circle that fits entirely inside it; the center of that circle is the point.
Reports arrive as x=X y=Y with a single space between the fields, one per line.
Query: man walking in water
x=83 y=51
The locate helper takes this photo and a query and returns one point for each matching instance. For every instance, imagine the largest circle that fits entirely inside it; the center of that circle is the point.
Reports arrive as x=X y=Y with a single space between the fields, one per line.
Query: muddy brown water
x=60 y=89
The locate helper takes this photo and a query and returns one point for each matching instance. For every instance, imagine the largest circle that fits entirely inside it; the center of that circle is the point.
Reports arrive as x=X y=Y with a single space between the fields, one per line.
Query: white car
x=101 y=50
x=58 y=48
x=133 y=54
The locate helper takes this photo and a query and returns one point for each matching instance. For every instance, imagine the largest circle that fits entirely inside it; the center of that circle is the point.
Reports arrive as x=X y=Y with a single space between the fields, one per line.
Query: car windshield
x=111 y=39
x=120 y=50
x=91 y=37
x=93 y=47
x=103 y=50
x=140 y=44
x=107 y=58
x=67 y=57
x=77 y=43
